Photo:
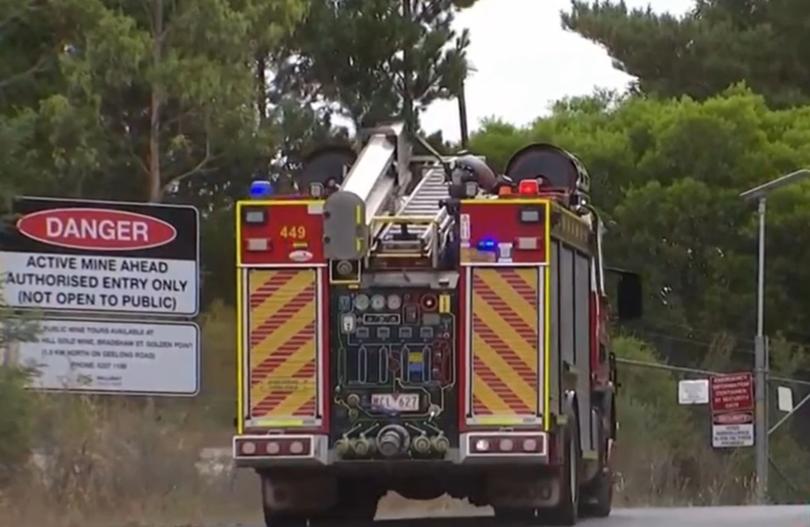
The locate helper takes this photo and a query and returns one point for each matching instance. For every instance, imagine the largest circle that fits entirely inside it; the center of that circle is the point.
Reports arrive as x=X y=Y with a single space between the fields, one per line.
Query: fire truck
x=423 y=325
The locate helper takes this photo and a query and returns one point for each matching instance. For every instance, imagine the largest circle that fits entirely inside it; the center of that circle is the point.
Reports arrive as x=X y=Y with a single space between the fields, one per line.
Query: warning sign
x=101 y=257
x=733 y=430
x=103 y=356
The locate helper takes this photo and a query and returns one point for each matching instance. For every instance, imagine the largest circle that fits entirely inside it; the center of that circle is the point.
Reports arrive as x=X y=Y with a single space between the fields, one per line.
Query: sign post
x=732 y=404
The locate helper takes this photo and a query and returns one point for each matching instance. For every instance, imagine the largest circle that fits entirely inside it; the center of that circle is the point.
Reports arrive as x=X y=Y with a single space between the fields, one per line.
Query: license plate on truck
x=403 y=402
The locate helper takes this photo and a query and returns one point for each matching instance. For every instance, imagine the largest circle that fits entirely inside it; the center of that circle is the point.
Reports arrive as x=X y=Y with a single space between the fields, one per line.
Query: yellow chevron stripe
x=494 y=280
x=489 y=398
x=296 y=400
x=279 y=298
x=505 y=332
x=279 y=336
x=527 y=394
x=282 y=376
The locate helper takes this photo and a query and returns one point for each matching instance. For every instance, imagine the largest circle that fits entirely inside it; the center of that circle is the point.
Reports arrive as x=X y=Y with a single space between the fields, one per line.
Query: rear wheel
x=600 y=496
x=566 y=512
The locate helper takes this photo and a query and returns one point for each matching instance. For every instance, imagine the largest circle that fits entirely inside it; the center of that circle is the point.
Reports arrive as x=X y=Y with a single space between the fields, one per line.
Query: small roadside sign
x=732 y=404
x=693 y=391
x=112 y=357
x=733 y=430
x=85 y=256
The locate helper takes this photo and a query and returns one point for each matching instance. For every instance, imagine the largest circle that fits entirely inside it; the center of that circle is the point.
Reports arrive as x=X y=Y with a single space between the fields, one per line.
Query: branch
x=33 y=70
x=29 y=7
x=208 y=158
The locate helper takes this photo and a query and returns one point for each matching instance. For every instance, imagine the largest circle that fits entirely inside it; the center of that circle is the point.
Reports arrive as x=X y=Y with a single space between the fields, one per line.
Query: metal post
x=761 y=366
x=462 y=116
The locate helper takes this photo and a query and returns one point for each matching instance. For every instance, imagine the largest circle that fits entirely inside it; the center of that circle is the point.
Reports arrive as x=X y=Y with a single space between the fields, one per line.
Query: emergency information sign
x=110 y=257
x=732 y=403
x=103 y=356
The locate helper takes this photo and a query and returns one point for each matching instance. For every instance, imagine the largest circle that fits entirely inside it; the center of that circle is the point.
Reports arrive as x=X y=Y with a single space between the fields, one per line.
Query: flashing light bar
x=261 y=189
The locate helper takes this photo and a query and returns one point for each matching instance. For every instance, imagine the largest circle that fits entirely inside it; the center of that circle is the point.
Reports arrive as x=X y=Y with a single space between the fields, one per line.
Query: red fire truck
x=422 y=325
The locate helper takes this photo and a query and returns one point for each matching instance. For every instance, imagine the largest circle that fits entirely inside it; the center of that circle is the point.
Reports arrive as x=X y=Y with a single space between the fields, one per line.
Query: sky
x=524 y=61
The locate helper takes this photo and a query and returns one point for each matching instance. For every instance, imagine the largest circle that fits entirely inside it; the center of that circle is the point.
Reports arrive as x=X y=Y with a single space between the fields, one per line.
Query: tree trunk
x=261 y=84
x=407 y=96
x=155 y=189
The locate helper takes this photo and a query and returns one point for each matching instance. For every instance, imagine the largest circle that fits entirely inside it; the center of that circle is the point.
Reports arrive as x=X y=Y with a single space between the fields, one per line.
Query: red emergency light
x=528 y=187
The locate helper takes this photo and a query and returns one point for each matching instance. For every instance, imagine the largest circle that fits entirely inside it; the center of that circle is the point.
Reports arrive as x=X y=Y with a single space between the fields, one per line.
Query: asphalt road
x=693 y=517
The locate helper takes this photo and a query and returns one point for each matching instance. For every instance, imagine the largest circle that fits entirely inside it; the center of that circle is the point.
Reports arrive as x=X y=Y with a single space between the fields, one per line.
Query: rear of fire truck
x=399 y=329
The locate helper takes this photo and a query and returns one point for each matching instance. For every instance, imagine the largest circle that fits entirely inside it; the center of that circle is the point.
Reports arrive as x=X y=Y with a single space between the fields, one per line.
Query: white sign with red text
x=102 y=257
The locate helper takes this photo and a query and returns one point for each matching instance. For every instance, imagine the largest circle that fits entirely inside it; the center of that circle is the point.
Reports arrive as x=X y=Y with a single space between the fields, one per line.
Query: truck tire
x=601 y=496
x=566 y=512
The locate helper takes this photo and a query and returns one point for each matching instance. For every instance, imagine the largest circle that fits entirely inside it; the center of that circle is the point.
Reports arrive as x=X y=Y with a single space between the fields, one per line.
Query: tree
x=719 y=43
x=666 y=174
x=150 y=94
x=371 y=60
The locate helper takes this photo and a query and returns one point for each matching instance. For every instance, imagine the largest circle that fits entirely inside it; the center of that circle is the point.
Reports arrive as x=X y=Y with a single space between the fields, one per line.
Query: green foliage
x=719 y=43
x=372 y=60
x=136 y=100
x=16 y=418
x=667 y=174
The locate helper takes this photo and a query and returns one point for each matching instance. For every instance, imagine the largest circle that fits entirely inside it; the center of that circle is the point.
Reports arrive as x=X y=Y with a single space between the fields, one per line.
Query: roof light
x=505 y=190
x=529 y=187
x=261 y=189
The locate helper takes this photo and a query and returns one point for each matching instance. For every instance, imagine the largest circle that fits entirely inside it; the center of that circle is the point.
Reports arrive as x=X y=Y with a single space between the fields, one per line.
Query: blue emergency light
x=487 y=244
x=261 y=189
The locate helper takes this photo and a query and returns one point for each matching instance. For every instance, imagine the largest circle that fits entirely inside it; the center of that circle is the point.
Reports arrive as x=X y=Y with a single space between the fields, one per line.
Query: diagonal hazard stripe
x=527 y=372
x=283 y=346
x=265 y=328
x=504 y=374
x=307 y=409
x=512 y=288
x=260 y=289
x=295 y=325
x=524 y=282
x=501 y=390
x=493 y=397
x=496 y=327
x=479 y=408
x=270 y=306
x=301 y=341
x=525 y=328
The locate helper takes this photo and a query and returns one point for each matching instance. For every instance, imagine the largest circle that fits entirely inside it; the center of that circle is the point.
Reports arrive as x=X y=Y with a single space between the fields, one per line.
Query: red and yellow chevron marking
x=505 y=322
x=282 y=343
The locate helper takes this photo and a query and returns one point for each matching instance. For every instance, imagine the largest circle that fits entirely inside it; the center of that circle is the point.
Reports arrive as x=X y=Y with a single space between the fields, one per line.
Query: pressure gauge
x=377 y=302
x=361 y=302
x=394 y=302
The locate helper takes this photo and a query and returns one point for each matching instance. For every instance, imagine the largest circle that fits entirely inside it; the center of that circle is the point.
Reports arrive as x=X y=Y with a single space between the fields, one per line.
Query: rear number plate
x=403 y=402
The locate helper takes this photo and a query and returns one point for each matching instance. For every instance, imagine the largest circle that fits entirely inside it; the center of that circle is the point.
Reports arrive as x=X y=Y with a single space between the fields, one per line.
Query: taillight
x=272 y=446
x=506 y=443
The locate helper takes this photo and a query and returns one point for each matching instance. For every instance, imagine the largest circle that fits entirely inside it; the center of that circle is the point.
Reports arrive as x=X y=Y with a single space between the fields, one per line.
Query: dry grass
x=108 y=462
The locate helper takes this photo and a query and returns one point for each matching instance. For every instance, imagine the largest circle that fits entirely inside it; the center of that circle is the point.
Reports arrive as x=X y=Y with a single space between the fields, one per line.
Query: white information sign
x=99 y=283
x=101 y=356
x=693 y=391
x=732 y=436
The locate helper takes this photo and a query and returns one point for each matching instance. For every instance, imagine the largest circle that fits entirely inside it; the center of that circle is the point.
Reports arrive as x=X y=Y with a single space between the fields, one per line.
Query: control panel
x=394 y=360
